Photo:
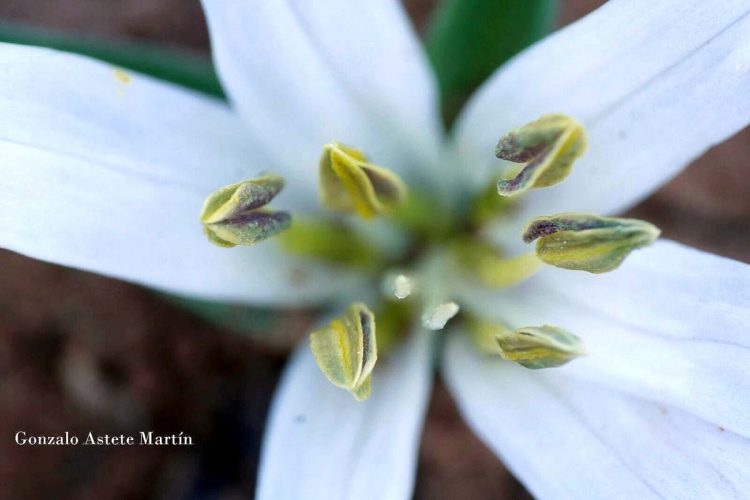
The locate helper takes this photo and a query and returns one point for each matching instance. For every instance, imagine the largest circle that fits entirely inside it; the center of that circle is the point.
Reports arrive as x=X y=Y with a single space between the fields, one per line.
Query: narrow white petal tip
x=435 y=318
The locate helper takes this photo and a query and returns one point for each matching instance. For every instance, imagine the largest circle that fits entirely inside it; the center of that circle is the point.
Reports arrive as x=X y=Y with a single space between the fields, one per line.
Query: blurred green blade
x=177 y=66
x=467 y=40
x=234 y=317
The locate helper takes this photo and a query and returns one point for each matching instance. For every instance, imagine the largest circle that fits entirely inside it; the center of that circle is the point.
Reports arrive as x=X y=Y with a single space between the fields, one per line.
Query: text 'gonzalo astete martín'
x=143 y=438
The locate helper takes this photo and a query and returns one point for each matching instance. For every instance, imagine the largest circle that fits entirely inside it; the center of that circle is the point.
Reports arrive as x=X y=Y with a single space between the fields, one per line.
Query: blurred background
x=80 y=352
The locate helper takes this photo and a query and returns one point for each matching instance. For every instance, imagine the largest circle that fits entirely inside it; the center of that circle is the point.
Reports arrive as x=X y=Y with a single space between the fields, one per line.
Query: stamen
x=422 y=216
x=394 y=321
x=538 y=347
x=329 y=241
x=482 y=334
x=487 y=205
x=233 y=215
x=487 y=265
x=348 y=183
x=548 y=146
x=346 y=350
x=588 y=242
x=436 y=317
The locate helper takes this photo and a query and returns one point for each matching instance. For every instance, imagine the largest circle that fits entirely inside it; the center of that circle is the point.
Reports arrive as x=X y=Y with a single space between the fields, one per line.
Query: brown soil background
x=80 y=352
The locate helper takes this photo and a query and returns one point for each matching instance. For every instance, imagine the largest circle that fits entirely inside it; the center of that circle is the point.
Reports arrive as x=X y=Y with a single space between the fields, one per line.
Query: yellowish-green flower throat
x=418 y=253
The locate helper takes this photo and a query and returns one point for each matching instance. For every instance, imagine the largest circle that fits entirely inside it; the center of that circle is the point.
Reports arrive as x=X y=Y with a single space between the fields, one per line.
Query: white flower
x=107 y=174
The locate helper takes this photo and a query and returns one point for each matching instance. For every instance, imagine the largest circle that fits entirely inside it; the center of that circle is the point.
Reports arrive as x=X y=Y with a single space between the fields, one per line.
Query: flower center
x=421 y=256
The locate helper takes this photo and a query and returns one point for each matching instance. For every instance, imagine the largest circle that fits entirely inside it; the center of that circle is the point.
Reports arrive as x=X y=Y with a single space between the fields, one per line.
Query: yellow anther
x=346 y=350
x=588 y=242
x=348 y=183
x=539 y=346
x=547 y=146
x=234 y=215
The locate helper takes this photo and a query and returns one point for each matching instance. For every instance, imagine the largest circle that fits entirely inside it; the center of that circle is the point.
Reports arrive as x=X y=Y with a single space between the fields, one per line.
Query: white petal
x=61 y=102
x=655 y=84
x=303 y=76
x=373 y=50
x=322 y=444
x=670 y=325
x=568 y=439
x=110 y=176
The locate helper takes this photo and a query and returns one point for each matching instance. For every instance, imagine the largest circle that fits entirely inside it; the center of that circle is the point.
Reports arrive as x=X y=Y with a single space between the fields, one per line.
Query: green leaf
x=238 y=318
x=467 y=40
x=182 y=67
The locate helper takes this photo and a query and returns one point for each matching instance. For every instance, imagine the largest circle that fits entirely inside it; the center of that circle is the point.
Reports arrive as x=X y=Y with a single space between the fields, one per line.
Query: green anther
x=234 y=215
x=539 y=346
x=547 y=146
x=329 y=241
x=488 y=266
x=346 y=350
x=588 y=242
x=348 y=183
